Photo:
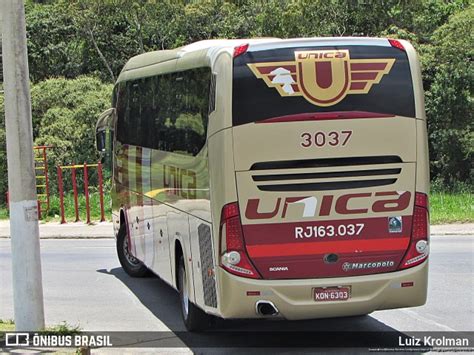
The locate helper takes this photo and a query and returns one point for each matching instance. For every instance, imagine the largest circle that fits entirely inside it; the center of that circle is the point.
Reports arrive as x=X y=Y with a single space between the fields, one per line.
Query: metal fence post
x=74 y=188
x=101 y=192
x=61 y=194
x=86 y=192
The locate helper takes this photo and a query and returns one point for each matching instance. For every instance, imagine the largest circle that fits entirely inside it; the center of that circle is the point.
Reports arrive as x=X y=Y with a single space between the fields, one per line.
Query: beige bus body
x=250 y=164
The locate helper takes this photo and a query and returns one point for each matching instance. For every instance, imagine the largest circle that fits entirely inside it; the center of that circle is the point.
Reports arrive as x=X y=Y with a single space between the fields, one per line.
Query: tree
x=64 y=115
x=105 y=34
x=450 y=104
x=53 y=47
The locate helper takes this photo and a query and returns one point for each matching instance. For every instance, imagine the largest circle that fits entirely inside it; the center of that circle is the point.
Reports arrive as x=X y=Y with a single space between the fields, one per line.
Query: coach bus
x=270 y=178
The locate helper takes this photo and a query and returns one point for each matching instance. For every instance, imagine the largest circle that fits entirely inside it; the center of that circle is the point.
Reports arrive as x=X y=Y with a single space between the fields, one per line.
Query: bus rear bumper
x=294 y=299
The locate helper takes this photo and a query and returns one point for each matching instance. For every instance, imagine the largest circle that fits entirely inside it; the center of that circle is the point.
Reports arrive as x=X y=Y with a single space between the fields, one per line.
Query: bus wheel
x=193 y=317
x=130 y=264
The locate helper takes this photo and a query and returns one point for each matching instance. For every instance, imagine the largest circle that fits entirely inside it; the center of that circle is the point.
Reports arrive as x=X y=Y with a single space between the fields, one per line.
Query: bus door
x=129 y=172
x=147 y=208
x=161 y=247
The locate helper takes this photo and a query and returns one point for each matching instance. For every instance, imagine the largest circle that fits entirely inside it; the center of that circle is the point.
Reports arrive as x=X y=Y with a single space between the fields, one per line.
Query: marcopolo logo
x=370 y=265
x=323 y=77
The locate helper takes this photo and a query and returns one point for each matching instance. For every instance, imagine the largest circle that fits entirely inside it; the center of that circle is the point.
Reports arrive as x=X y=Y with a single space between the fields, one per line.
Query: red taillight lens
x=233 y=234
x=418 y=249
x=233 y=256
x=228 y=211
x=396 y=44
x=239 y=50
x=421 y=200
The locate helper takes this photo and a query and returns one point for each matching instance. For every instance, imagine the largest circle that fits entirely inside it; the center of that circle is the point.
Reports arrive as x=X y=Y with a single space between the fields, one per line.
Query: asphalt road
x=85 y=286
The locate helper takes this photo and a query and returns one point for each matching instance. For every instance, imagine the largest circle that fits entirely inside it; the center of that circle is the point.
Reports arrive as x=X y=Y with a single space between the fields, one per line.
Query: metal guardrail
x=85 y=168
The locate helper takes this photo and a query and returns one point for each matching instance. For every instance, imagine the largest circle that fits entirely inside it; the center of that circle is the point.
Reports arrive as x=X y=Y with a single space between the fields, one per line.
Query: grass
x=6 y=325
x=451 y=207
x=54 y=213
x=62 y=329
x=3 y=213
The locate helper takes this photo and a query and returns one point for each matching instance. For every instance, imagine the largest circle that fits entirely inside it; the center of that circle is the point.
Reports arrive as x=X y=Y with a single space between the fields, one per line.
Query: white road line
x=417 y=316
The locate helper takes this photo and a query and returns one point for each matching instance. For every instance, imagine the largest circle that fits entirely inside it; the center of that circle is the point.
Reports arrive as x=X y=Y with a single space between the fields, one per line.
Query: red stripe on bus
x=320 y=116
x=293 y=76
x=368 y=66
x=269 y=69
x=358 y=85
x=282 y=233
x=364 y=76
x=349 y=246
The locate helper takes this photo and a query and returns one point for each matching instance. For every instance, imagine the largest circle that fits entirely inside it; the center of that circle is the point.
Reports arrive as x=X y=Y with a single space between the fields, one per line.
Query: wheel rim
x=185 y=300
x=129 y=257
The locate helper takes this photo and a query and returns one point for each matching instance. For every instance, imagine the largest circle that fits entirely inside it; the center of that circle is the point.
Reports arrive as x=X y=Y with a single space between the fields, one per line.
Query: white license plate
x=339 y=293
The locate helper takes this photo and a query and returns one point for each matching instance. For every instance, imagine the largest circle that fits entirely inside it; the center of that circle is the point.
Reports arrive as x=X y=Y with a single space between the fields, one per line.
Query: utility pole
x=26 y=260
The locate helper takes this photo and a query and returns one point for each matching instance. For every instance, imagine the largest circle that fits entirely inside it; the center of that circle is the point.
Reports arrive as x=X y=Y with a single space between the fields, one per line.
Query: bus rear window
x=289 y=81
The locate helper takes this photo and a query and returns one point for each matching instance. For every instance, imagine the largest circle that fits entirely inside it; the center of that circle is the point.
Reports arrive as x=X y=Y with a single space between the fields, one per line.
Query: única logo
x=322 y=77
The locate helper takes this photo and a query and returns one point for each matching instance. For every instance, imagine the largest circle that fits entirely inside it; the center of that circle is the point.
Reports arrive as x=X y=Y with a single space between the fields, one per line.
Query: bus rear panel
x=331 y=216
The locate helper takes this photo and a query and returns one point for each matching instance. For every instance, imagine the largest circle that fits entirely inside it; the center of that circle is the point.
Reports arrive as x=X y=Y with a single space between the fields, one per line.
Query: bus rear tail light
x=234 y=257
x=239 y=50
x=396 y=44
x=418 y=249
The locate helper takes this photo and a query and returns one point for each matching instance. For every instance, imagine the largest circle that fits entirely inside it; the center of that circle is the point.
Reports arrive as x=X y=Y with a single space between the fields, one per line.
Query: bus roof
x=193 y=49
x=202 y=53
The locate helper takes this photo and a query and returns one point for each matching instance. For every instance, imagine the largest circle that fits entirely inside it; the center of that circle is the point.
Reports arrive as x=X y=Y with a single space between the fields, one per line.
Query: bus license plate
x=322 y=294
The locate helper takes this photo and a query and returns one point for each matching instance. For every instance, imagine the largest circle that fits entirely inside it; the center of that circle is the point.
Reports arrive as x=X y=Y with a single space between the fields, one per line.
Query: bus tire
x=194 y=318
x=130 y=264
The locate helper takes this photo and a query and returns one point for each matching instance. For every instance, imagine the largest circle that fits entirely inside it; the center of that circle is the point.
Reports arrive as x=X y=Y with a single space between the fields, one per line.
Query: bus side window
x=181 y=125
x=212 y=94
x=167 y=112
x=121 y=106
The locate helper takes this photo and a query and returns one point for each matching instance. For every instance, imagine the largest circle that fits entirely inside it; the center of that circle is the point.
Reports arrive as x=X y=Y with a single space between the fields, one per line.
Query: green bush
x=64 y=116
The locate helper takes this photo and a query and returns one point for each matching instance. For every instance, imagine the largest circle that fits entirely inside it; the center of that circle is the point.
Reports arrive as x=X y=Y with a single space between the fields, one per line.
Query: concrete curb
x=68 y=237
x=452 y=229
x=54 y=230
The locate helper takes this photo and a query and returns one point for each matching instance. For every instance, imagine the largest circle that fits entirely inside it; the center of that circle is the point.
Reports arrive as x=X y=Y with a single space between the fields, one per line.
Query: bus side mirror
x=104 y=136
x=105 y=123
x=100 y=140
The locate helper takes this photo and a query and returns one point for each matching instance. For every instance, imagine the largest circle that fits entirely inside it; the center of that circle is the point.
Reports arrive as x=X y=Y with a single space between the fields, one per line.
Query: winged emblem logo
x=323 y=77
